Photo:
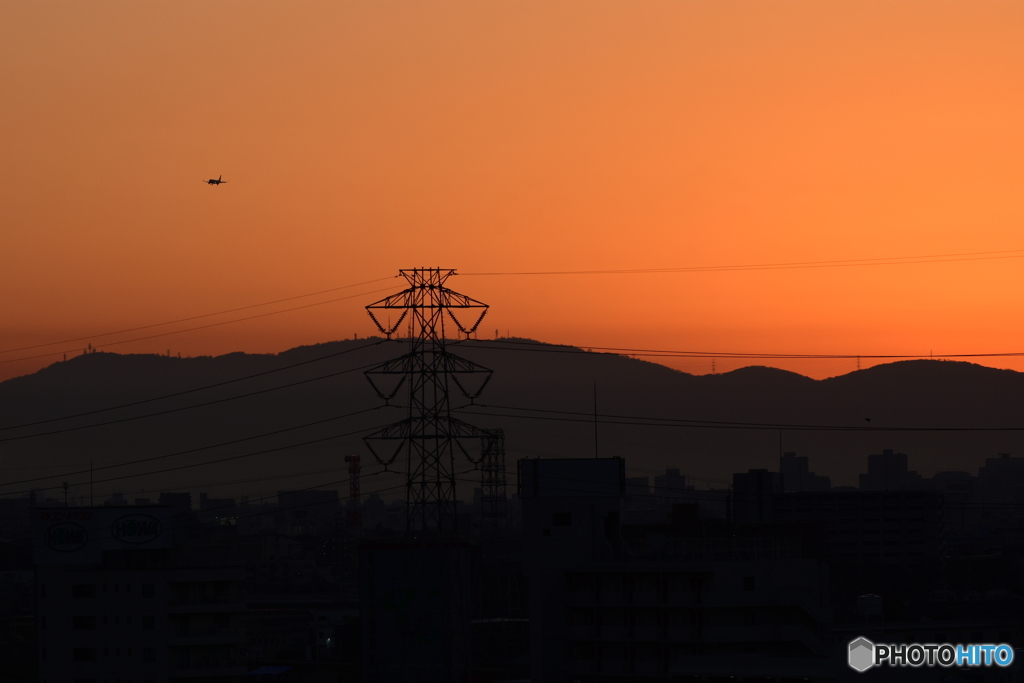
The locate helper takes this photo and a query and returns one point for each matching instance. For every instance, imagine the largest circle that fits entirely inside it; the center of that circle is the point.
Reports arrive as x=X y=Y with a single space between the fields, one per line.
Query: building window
x=43 y=623
x=748 y=583
x=84 y=654
x=148 y=590
x=561 y=519
x=83 y=590
x=148 y=622
x=149 y=654
x=87 y=623
x=42 y=591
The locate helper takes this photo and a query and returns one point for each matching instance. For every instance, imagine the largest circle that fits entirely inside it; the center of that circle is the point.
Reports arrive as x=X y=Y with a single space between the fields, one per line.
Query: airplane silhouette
x=215 y=181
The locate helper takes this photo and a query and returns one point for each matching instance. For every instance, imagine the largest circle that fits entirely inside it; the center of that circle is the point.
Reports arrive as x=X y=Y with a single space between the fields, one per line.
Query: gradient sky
x=364 y=137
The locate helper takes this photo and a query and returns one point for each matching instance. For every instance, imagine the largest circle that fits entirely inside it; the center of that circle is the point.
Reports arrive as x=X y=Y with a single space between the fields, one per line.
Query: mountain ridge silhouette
x=527 y=374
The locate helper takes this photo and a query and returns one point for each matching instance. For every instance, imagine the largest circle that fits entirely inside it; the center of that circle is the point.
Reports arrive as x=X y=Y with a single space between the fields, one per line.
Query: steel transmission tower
x=494 y=512
x=429 y=435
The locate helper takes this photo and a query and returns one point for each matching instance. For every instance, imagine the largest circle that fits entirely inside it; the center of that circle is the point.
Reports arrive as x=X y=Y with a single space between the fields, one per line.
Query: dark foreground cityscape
x=556 y=569
x=585 y=575
x=728 y=385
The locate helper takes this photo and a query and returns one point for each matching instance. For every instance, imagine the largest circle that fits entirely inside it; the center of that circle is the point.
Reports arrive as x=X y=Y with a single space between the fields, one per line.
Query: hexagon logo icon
x=862 y=654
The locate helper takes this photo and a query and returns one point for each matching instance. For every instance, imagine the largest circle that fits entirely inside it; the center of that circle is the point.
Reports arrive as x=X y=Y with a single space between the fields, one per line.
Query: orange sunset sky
x=498 y=136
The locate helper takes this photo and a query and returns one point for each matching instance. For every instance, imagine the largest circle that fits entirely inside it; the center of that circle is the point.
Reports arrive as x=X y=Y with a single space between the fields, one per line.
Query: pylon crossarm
x=391 y=327
x=430 y=436
x=463 y=371
x=389 y=440
x=401 y=367
x=470 y=311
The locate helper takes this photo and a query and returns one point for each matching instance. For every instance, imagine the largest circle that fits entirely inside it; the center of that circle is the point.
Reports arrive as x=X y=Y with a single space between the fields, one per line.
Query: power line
x=200 y=327
x=644 y=421
x=229 y=482
x=883 y=261
x=188 y=407
x=205 y=448
x=311 y=488
x=279 y=508
x=189 y=391
x=198 y=405
x=194 y=317
x=621 y=351
x=702 y=495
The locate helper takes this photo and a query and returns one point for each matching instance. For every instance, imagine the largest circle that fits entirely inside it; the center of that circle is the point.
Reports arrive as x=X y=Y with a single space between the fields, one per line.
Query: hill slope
x=298 y=396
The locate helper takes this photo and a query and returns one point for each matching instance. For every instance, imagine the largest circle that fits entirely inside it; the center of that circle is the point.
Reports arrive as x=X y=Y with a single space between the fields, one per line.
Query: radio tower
x=429 y=435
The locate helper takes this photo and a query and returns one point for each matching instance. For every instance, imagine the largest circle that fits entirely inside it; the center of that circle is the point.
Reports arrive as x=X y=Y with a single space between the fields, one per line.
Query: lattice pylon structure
x=494 y=506
x=355 y=468
x=429 y=435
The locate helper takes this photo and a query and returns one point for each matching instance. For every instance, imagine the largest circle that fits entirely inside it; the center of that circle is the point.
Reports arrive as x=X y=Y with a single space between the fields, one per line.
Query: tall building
x=113 y=603
x=310 y=511
x=796 y=475
x=754 y=494
x=602 y=609
x=670 y=486
x=1001 y=477
x=887 y=471
x=415 y=611
x=877 y=539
